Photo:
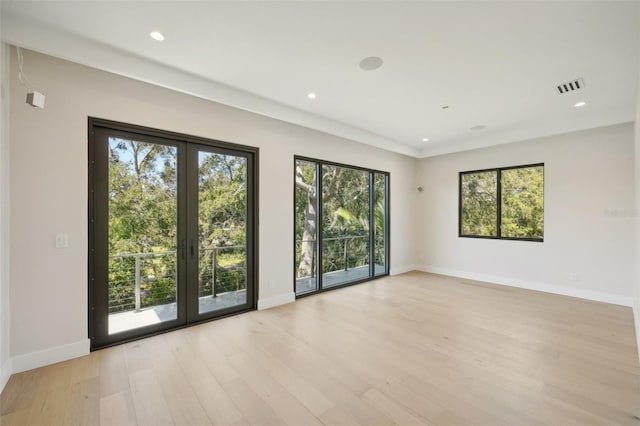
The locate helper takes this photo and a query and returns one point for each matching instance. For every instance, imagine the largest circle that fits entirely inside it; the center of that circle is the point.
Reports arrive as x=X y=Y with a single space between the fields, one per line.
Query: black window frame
x=387 y=243
x=498 y=171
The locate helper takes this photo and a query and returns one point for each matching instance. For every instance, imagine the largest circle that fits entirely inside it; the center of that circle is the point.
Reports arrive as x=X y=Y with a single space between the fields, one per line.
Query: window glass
x=505 y=203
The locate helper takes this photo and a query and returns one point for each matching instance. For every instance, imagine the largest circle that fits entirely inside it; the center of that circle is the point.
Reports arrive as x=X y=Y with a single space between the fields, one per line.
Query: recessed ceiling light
x=579 y=104
x=156 y=35
x=311 y=95
x=478 y=127
x=425 y=139
x=371 y=63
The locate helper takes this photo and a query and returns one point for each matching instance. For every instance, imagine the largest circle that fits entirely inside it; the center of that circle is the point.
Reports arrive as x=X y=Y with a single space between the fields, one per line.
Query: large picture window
x=341 y=225
x=503 y=203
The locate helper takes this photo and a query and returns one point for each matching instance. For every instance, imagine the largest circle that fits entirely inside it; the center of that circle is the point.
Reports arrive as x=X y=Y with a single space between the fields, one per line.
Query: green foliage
x=379 y=201
x=345 y=199
x=522 y=203
x=345 y=213
x=143 y=219
x=305 y=219
x=142 y=197
x=222 y=189
x=222 y=199
x=479 y=203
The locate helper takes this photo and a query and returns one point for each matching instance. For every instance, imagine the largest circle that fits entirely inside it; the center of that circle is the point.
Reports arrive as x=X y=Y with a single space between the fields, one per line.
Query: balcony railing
x=331 y=255
x=340 y=253
x=231 y=276
x=140 y=280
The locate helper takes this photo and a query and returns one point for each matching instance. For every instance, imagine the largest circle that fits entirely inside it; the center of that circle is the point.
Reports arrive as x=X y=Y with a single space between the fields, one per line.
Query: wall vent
x=570 y=86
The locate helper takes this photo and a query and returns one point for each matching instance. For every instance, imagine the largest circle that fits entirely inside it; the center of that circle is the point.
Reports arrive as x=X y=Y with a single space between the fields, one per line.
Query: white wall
x=588 y=201
x=49 y=192
x=5 y=361
x=636 y=259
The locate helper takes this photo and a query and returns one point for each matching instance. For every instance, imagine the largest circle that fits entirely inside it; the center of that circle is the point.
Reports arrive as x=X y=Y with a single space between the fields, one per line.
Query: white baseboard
x=403 y=269
x=50 y=356
x=614 y=299
x=5 y=374
x=274 y=301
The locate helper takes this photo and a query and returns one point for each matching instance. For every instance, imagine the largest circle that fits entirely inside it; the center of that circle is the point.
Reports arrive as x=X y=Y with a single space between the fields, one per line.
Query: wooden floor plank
x=117 y=409
x=83 y=405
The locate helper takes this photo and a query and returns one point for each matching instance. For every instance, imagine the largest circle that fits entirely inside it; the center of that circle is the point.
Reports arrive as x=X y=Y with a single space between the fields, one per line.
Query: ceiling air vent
x=570 y=86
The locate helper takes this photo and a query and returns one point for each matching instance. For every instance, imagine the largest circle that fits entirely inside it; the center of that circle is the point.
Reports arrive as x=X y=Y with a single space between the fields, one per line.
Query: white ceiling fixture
x=311 y=95
x=156 y=35
x=260 y=56
x=579 y=104
x=478 y=127
x=371 y=63
x=425 y=139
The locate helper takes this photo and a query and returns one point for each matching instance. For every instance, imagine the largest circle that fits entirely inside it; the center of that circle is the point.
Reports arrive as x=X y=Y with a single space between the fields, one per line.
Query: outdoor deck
x=128 y=320
x=332 y=279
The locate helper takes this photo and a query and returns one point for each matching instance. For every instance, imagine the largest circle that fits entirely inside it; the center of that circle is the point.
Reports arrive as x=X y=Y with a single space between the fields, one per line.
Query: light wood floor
x=410 y=349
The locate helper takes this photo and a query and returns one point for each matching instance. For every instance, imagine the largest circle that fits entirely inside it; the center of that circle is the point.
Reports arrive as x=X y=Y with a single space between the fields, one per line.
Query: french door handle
x=193 y=248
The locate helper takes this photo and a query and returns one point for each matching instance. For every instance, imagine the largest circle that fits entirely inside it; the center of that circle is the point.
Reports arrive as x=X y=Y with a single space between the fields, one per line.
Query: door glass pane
x=379 y=217
x=142 y=234
x=306 y=233
x=222 y=231
x=345 y=225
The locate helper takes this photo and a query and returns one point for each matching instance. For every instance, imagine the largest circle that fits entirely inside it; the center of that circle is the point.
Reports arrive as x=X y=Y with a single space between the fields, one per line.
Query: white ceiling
x=493 y=63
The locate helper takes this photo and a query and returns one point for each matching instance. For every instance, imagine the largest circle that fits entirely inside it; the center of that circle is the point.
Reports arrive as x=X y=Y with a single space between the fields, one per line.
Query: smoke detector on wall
x=570 y=86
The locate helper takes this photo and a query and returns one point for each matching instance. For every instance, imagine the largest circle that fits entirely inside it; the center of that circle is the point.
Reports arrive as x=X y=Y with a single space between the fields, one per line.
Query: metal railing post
x=313 y=259
x=137 y=288
x=346 y=253
x=213 y=270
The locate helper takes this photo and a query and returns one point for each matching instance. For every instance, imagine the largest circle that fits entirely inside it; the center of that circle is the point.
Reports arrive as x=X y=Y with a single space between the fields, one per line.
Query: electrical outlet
x=573 y=276
x=272 y=284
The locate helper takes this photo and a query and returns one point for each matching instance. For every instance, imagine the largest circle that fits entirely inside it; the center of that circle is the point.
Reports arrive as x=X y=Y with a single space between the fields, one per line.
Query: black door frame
x=319 y=219
x=98 y=209
x=192 y=254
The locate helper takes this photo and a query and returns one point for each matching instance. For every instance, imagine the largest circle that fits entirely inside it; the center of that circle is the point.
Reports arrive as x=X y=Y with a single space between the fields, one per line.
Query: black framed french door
x=172 y=238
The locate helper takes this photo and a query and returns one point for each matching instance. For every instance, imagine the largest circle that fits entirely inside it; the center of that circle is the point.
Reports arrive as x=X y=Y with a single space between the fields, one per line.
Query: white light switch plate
x=62 y=241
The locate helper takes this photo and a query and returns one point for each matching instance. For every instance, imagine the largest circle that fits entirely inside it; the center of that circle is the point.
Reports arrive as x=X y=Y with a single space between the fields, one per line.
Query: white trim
x=597 y=296
x=403 y=269
x=5 y=374
x=274 y=301
x=5 y=225
x=525 y=132
x=53 y=42
x=50 y=356
x=636 y=318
